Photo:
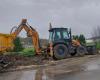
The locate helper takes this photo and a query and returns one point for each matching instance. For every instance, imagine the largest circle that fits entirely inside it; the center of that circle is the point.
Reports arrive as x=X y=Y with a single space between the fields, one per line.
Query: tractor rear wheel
x=61 y=52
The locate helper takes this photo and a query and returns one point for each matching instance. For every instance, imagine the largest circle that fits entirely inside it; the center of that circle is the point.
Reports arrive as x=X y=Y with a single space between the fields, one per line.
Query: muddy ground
x=76 y=68
x=15 y=61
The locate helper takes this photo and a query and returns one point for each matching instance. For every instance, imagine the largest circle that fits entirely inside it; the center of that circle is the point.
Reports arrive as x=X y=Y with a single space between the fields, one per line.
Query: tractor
x=62 y=45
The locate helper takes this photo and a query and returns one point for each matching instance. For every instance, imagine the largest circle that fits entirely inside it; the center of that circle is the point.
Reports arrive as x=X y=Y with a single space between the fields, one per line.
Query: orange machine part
x=6 y=42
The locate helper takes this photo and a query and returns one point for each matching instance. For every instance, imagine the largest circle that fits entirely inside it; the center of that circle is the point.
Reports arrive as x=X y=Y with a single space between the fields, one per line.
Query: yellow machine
x=6 y=40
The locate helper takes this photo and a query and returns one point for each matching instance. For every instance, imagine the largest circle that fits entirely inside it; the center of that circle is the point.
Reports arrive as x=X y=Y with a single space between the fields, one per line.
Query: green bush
x=98 y=45
x=80 y=37
x=29 y=52
x=17 y=45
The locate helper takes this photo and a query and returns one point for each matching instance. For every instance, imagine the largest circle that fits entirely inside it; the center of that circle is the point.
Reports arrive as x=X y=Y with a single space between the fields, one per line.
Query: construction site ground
x=75 y=68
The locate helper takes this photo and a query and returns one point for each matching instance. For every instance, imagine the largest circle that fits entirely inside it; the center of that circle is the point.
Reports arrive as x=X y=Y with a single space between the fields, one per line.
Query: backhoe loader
x=60 y=46
x=60 y=43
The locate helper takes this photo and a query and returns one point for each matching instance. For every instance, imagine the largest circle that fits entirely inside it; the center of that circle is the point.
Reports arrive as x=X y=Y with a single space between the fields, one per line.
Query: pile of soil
x=13 y=61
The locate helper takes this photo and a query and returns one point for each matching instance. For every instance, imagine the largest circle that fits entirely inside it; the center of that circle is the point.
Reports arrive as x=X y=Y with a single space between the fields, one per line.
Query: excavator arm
x=30 y=32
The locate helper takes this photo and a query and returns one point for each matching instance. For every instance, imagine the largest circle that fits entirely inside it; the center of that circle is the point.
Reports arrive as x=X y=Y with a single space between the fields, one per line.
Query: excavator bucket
x=24 y=21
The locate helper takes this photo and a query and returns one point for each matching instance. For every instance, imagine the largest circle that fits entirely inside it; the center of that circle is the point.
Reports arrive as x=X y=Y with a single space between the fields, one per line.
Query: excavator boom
x=30 y=32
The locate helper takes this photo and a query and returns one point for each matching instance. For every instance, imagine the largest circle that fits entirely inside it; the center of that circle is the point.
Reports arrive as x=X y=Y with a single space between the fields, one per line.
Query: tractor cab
x=57 y=35
x=59 y=40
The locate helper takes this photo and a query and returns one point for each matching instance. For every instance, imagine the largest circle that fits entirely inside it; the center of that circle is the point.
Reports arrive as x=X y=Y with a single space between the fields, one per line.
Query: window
x=57 y=35
x=50 y=36
x=65 y=35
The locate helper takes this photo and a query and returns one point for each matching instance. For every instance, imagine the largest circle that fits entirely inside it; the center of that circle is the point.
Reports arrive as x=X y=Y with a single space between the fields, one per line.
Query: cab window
x=57 y=35
x=65 y=35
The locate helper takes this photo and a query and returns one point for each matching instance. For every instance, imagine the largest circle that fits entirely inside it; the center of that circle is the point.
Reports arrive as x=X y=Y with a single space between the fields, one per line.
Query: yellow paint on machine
x=6 y=42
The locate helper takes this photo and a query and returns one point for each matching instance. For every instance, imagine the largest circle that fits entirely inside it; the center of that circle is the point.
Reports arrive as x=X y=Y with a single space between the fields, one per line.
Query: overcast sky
x=81 y=15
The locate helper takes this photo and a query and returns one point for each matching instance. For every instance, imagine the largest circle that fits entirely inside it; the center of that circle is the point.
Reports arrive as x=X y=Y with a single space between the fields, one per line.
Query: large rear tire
x=81 y=50
x=61 y=52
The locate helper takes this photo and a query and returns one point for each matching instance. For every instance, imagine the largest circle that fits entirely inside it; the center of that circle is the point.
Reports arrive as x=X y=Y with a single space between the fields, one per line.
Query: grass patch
x=29 y=52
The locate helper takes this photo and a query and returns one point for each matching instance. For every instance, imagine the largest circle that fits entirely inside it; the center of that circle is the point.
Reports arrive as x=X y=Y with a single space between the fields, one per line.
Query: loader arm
x=35 y=37
x=30 y=32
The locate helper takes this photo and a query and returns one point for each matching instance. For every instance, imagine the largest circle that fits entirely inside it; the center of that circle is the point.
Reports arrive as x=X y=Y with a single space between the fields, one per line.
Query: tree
x=75 y=37
x=18 y=46
x=96 y=36
x=82 y=39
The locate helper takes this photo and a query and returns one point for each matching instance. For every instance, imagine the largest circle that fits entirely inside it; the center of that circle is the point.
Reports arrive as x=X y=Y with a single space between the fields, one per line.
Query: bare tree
x=96 y=36
x=96 y=33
